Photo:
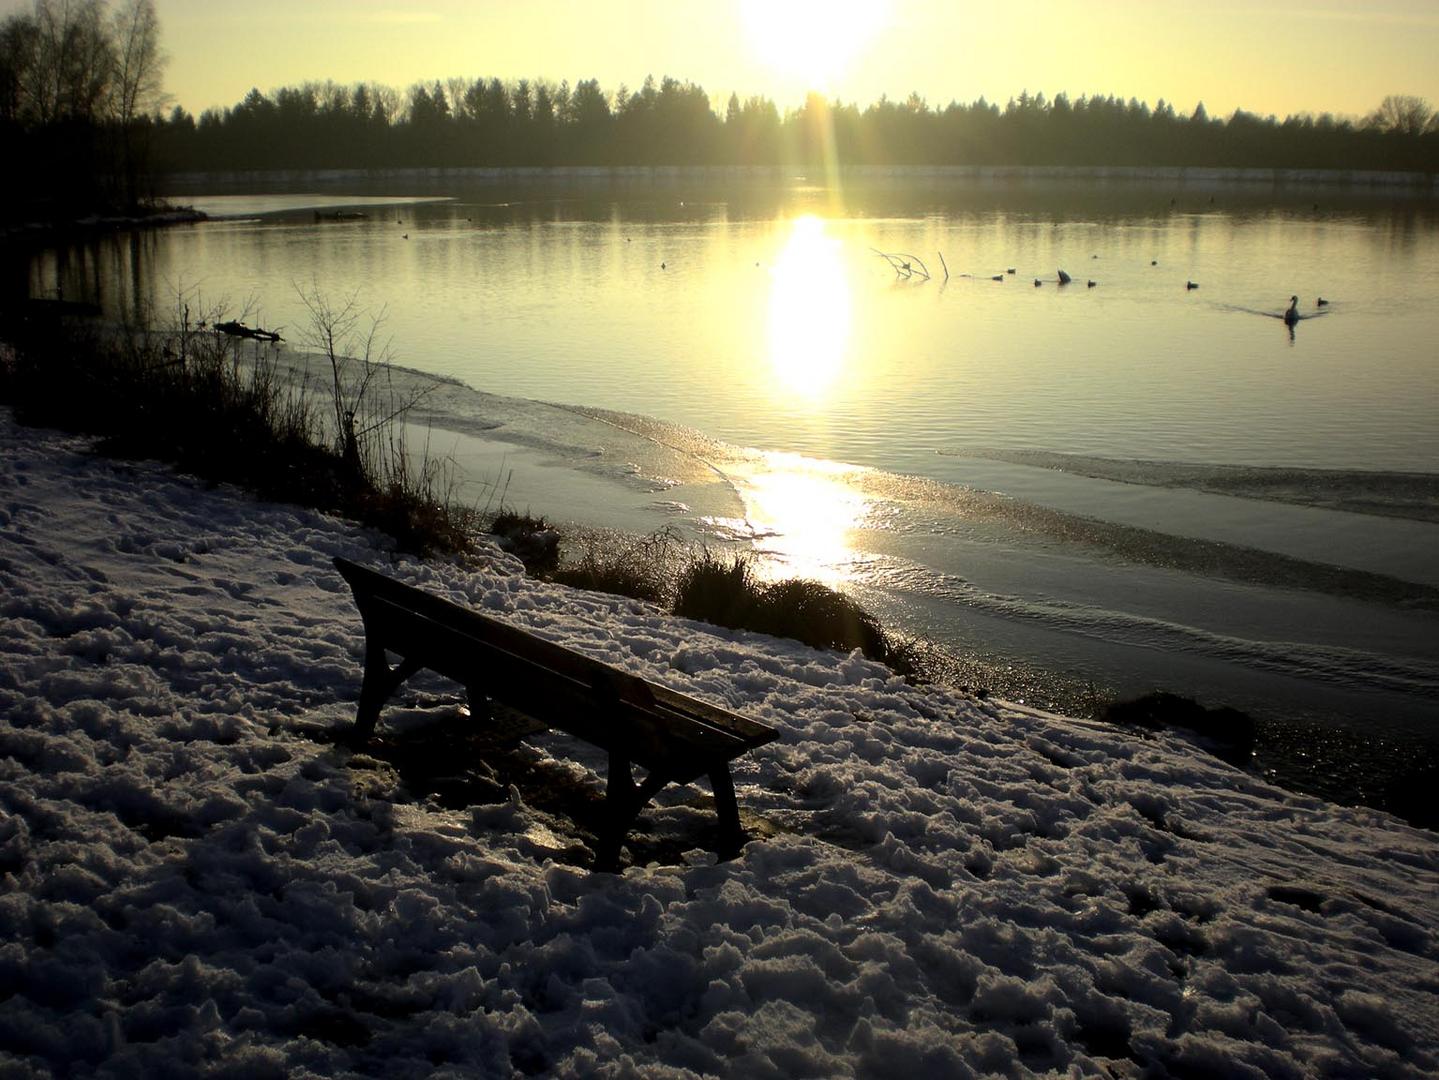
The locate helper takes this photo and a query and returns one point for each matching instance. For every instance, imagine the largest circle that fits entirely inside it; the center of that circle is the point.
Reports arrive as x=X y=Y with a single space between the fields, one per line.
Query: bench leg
x=380 y=682
x=730 y=835
x=624 y=799
x=619 y=813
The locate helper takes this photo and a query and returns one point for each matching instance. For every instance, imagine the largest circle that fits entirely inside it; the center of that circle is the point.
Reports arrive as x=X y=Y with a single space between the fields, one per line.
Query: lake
x=884 y=385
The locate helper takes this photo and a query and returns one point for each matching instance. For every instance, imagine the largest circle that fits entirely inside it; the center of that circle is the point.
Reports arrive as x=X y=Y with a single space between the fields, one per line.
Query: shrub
x=640 y=568
x=1224 y=731
x=718 y=590
x=530 y=539
x=819 y=616
x=724 y=591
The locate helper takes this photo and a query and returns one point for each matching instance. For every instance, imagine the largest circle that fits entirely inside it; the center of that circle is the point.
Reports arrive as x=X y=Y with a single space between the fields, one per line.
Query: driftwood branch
x=904 y=265
x=237 y=329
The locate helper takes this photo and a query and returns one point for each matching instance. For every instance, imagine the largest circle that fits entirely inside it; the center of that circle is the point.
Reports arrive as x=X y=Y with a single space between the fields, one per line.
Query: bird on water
x=1291 y=316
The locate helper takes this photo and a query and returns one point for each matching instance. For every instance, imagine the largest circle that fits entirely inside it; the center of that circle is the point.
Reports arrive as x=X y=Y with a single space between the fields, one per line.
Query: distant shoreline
x=1412 y=183
x=48 y=231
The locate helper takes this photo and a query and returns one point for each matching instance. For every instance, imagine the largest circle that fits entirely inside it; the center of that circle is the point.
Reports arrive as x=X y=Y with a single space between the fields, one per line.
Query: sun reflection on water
x=803 y=514
x=809 y=311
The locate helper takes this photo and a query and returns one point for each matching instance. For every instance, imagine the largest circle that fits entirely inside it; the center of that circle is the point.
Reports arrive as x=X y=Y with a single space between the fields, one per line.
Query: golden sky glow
x=1267 y=56
x=814 y=41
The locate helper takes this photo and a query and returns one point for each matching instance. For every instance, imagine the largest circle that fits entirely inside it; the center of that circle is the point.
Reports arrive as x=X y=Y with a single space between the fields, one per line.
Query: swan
x=1291 y=316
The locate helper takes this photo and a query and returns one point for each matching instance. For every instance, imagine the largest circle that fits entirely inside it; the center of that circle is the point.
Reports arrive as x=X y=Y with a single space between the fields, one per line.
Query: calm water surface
x=771 y=322
x=1134 y=484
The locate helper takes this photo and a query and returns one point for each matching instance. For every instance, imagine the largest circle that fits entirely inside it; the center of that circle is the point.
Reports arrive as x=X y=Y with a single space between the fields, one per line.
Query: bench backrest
x=654 y=725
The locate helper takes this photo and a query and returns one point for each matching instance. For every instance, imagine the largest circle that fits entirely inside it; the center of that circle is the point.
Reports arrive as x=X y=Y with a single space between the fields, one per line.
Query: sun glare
x=809 y=311
x=804 y=512
x=811 y=40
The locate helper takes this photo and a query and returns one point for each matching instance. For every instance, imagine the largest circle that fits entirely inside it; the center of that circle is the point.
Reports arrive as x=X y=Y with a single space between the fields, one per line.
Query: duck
x=1092 y=283
x=1321 y=302
x=1291 y=316
x=1191 y=285
x=1037 y=283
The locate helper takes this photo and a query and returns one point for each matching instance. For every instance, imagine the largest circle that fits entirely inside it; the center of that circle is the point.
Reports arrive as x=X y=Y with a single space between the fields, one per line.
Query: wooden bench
x=674 y=737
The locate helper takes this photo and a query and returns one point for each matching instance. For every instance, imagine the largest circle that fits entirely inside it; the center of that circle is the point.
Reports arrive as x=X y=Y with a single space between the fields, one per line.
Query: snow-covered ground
x=197 y=882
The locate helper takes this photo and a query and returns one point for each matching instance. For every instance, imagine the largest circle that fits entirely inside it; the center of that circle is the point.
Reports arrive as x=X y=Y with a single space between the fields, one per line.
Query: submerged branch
x=904 y=265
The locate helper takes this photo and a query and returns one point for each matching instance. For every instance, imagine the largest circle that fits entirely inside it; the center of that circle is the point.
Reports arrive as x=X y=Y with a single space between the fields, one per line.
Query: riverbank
x=68 y=229
x=1387 y=770
x=197 y=872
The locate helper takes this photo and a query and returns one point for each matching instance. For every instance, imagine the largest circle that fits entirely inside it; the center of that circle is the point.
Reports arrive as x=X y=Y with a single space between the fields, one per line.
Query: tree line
x=82 y=106
x=80 y=90
x=492 y=122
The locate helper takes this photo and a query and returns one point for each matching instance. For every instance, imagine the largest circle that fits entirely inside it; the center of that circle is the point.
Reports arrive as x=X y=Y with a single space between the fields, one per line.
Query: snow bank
x=195 y=884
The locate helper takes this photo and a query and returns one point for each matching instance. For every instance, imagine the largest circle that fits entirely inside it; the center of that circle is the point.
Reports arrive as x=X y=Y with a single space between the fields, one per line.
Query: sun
x=811 y=40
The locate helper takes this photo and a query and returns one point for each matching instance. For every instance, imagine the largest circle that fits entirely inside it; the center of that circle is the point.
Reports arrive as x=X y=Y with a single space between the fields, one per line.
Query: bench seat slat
x=555 y=657
x=670 y=733
x=675 y=737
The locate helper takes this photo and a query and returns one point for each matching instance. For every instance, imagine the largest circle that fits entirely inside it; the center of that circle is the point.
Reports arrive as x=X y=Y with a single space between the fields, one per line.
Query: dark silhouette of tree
x=671 y=122
x=139 y=61
x=542 y=140
x=80 y=87
x=73 y=61
x=1403 y=114
x=80 y=93
x=588 y=124
x=752 y=132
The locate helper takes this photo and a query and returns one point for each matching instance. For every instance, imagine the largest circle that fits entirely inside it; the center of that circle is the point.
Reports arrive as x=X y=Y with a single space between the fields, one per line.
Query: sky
x=1265 y=56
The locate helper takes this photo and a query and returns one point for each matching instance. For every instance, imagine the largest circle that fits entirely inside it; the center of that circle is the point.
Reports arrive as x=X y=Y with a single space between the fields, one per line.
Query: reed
x=224 y=409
